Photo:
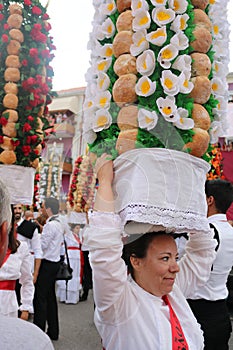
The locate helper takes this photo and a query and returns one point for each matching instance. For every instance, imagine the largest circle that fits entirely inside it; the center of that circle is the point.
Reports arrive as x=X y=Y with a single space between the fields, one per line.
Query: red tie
x=178 y=338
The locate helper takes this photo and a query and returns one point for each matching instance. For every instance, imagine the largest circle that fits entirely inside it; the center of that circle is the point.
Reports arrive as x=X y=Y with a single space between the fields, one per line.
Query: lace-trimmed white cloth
x=161 y=187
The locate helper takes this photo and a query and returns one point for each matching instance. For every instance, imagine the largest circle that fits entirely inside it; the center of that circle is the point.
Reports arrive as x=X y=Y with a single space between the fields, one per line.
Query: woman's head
x=152 y=262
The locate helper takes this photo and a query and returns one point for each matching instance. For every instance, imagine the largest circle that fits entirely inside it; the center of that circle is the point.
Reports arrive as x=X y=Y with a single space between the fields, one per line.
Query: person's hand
x=104 y=169
x=24 y=315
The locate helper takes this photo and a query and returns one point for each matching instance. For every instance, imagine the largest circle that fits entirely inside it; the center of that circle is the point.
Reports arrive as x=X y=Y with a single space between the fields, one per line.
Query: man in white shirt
x=208 y=303
x=45 y=302
x=16 y=333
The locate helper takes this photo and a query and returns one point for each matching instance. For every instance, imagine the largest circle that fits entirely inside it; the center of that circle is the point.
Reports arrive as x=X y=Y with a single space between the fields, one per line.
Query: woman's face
x=156 y=272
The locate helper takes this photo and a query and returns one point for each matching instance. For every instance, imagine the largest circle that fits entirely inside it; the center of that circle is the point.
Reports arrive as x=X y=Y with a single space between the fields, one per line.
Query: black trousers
x=45 y=301
x=87 y=274
x=214 y=320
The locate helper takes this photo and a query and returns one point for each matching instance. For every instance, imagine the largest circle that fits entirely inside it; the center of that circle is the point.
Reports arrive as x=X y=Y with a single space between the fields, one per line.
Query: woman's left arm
x=195 y=265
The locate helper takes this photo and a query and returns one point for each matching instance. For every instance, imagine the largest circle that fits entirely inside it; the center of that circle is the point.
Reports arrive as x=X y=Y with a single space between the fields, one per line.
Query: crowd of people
x=147 y=294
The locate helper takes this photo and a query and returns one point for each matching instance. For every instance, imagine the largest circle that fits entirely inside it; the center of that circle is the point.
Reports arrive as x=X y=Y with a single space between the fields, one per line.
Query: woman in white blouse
x=16 y=265
x=147 y=308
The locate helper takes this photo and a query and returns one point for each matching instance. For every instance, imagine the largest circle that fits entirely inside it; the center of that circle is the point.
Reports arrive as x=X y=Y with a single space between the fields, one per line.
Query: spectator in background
x=208 y=302
x=15 y=333
x=45 y=302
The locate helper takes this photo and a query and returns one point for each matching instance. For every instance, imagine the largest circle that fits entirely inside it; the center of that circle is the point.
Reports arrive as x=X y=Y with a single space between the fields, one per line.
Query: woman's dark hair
x=139 y=248
x=13 y=242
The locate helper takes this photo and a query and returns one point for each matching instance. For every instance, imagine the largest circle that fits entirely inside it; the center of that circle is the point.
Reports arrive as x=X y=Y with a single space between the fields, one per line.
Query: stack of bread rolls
x=11 y=77
x=193 y=102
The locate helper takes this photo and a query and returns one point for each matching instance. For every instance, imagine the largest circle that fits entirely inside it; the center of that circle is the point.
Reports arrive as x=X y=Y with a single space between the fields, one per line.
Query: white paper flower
x=141 y=20
x=222 y=106
x=183 y=63
x=105 y=51
x=108 y=28
x=102 y=120
x=183 y=122
x=157 y=37
x=220 y=69
x=170 y=83
x=145 y=63
x=108 y=7
x=158 y=3
x=162 y=16
x=147 y=119
x=216 y=131
x=137 y=5
x=186 y=85
x=103 y=81
x=180 y=40
x=89 y=105
x=180 y=23
x=219 y=86
x=179 y=6
x=145 y=87
x=140 y=43
x=167 y=107
x=103 y=99
x=89 y=136
x=102 y=65
x=166 y=55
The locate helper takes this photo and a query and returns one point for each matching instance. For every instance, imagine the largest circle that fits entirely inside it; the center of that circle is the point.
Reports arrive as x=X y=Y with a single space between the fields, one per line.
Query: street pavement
x=77 y=329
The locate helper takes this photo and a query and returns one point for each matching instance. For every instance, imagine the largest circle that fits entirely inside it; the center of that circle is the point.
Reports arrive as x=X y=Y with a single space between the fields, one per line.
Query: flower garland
x=216 y=171
x=81 y=191
x=25 y=80
x=161 y=75
x=50 y=180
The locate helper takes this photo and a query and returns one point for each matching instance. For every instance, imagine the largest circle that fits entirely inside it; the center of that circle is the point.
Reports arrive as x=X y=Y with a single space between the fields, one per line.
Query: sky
x=71 y=25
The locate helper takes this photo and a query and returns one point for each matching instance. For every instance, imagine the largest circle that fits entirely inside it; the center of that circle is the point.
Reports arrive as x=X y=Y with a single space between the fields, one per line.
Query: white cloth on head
x=17 y=266
x=215 y=288
x=161 y=187
x=17 y=334
x=128 y=317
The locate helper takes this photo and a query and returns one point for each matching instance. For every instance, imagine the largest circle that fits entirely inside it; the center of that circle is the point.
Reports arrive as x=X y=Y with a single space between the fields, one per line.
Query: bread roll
x=128 y=117
x=126 y=140
x=7 y=144
x=202 y=20
x=11 y=88
x=12 y=74
x=9 y=130
x=124 y=21
x=7 y=157
x=123 y=5
x=125 y=64
x=201 y=4
x=16 y=34
x=201 y=117
x=203 y=40
x=10 y=101
x=201 y=64
x=12 y=61
x=13 y=48
x=15 y=8
x=124 y=90
x=35 y=163
x=122 y=42
x=15 y=21
x=199 y=144
x=202 y=89
x=11 y=115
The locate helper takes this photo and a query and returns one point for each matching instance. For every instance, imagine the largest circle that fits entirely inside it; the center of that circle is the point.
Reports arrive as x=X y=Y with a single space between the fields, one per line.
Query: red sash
x=8 y=253
x=178 y=338
x=7 y=285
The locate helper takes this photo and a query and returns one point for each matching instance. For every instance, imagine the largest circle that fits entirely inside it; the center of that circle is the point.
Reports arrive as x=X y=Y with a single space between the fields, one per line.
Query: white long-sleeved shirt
x=215 y=288
x=52 y=239
x=128 y=317
x=17 y=334
x=17 y=266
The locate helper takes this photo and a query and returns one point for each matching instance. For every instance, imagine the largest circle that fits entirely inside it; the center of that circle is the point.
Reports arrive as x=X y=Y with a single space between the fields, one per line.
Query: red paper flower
x=45 y=16
x=5 y=38
x=36 y=10
x=1 y=139
x=1 y=7
x=24 y=63
x=26 y=150
x=6 y=26
x=27 y=127
x=30 y=118
x=33 y=52
x=27 y=2
x=15 y=143
x=3 y=121
x=1 y=17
